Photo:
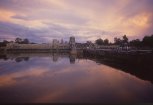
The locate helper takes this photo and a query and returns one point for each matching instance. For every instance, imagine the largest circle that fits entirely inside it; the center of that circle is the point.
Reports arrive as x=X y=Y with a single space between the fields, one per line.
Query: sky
x=87 y=20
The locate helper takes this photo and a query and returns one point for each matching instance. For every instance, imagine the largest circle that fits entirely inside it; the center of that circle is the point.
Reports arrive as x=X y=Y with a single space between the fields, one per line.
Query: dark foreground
x=137 y=63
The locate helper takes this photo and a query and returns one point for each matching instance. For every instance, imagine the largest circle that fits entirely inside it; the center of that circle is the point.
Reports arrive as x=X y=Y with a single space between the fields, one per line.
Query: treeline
x=147 y=41
x=17 y=40
x=117 y=41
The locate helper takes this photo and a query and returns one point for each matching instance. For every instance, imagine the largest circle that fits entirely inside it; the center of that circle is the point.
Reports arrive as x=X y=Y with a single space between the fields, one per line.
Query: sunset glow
x=44 y=20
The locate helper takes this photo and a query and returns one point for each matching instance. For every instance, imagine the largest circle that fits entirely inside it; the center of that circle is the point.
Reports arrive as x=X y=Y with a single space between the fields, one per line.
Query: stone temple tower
x=72 y=45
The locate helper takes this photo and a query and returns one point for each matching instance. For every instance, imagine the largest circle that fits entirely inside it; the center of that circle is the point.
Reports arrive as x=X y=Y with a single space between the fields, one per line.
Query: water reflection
x=19 y=57
x=72 y=59
x=58 y=78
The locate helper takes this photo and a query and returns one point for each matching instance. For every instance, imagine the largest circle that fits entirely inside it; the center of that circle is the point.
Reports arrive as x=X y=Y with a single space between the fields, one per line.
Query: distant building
x=72 y=43
x=54 y=45
x=28 y=46
x=62 y=42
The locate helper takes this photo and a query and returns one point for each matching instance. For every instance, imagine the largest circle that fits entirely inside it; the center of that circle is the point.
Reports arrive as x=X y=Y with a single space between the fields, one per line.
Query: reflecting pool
x=54 y=78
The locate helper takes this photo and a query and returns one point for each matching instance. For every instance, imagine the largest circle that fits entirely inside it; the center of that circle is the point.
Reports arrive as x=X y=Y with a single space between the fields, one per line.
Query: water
x=53 y=78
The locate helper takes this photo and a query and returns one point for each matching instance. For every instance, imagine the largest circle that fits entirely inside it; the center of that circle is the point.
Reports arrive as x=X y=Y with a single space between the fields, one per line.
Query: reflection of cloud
x=13 y=78
x=98 y=81
x=85 y=81
x=53 y=96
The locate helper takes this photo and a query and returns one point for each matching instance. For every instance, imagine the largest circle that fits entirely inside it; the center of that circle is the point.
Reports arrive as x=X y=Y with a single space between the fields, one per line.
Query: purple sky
x=44 y=20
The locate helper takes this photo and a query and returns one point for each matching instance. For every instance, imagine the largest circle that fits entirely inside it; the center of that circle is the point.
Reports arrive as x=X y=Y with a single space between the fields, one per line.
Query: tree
x=106 y=42
x=136 y=43
x=89 y=42
x=148 y=41
x=25 y=41
x=4 y=43
x=99 y=41
x=125 y=39
x=117 y=41
x=18 y=40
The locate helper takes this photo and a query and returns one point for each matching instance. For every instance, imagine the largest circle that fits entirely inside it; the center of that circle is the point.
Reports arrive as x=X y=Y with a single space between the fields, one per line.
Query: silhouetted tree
x=22 y=41
x=148 y=41
x=25 y=41
x=99 y=41
x=136 y=43
x=125 y=39
x=106 y=42
x=89 y=42
x=4 y=43
x=117 y=41
x=18 y=40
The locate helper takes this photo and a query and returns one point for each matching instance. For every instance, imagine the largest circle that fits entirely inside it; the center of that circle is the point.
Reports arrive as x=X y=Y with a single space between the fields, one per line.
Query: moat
x=66 y=78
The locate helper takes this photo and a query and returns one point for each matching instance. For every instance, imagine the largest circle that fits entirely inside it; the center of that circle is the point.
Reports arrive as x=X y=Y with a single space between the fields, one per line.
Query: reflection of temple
x=55 y=57
x=72 y=45
x=72 y=59
x=19 y=57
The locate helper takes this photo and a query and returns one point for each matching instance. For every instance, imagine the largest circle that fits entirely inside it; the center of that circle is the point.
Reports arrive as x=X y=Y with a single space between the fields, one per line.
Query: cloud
x=14 y=30
x=28 y=5
x=47 y=34
x=87 y=19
